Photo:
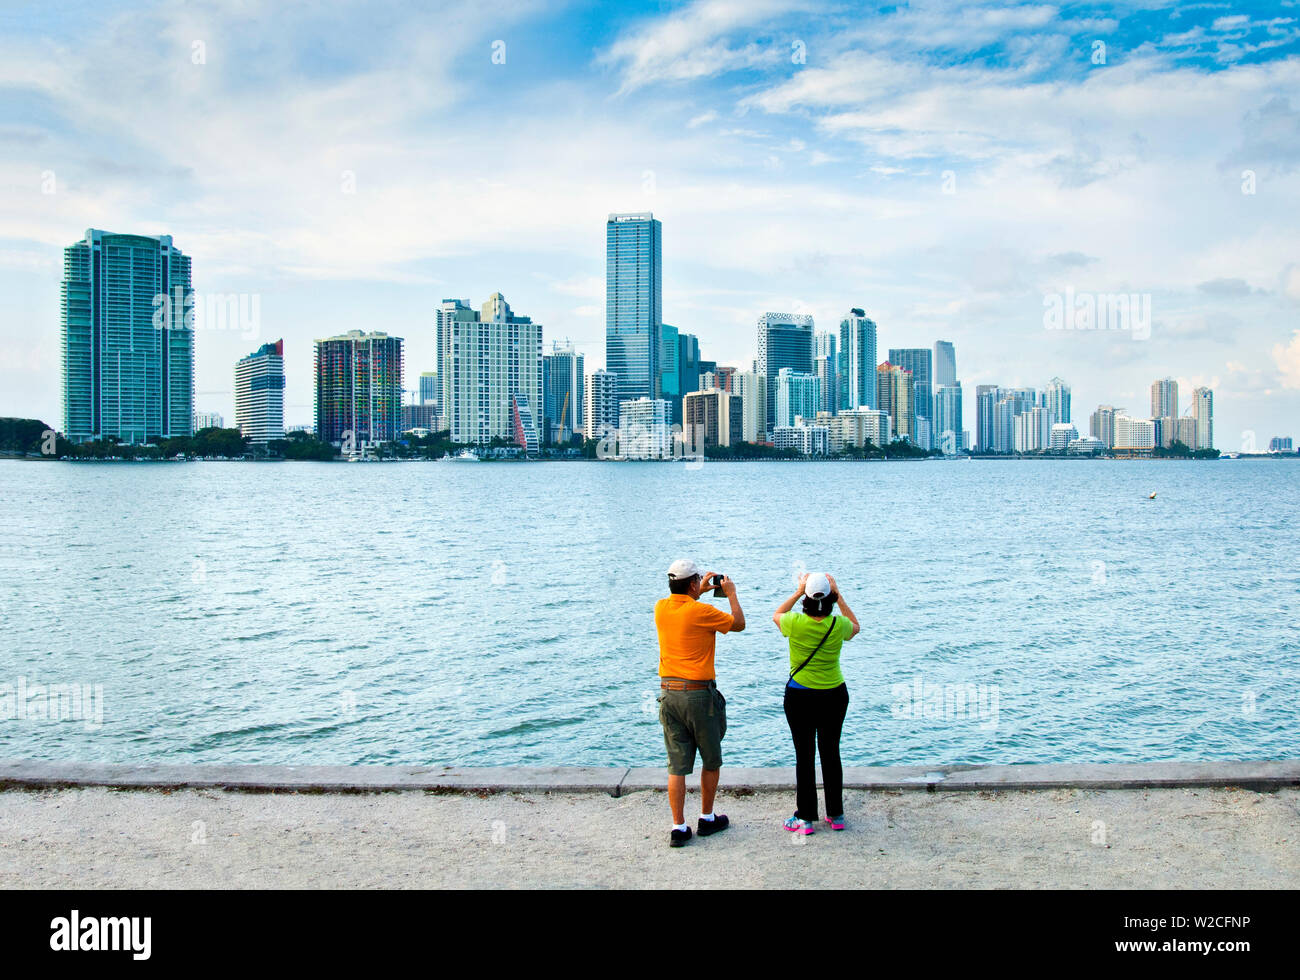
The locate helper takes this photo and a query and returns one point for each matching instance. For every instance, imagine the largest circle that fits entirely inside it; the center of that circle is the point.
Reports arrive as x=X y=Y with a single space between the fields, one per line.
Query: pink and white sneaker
x=837 y=823
x=795 y=825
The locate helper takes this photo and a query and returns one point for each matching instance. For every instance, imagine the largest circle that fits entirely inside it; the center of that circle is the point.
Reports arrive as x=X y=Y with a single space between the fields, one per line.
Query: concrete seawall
x=619 y=781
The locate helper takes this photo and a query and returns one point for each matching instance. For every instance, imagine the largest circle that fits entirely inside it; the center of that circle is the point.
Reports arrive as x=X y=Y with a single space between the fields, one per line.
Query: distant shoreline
x=37 y=458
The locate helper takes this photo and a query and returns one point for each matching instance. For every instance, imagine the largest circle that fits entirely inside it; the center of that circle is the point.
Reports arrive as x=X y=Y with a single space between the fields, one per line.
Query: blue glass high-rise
x=128 y=339
x=918 y=360
x=634 y=303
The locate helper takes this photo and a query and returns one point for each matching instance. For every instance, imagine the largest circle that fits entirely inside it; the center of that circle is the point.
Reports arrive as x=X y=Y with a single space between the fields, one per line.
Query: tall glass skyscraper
x=918 y=360
x=688 y=362
x=857 y=361
x=633 y=303
x=947 y=419
x=563 y=391
x=785 y=340
x=670 y=368
x=128 y=339
x=945 y=364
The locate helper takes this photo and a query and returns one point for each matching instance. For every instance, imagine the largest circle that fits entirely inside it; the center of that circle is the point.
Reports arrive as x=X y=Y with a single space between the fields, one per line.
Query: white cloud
x=1287 y=359
x=693 y=43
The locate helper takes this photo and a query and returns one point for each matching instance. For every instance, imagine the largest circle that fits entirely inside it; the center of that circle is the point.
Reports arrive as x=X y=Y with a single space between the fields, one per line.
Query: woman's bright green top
x=823 y=671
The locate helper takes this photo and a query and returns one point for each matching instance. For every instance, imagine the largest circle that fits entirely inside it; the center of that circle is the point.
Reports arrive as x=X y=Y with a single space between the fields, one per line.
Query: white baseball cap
x=817 y=586
x=682 y=568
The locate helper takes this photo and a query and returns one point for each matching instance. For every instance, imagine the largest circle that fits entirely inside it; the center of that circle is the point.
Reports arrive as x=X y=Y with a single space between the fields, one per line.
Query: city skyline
x=765 y=170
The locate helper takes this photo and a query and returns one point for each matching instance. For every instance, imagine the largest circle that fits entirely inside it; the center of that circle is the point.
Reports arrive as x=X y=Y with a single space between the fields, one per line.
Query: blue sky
x=944 y=166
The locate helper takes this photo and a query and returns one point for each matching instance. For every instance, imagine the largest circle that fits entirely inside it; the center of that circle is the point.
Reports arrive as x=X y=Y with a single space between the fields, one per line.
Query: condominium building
x=634 y=303
x=1032 y=430
x=1203 y=412
x=1058 y=401
x=208 y=420
x=752 y=389
x=712 y=418
x=894 y=391
x=857 y=372
x=1063 y=433
x=1102 y=425
x=524 y=423
x=947 y=419
x=826 y=365
x=259 y=394
x=785 y=340
x=127 y=332
x=601 y=404
x=808 y=440
x=797 y=394
x=986 y=400
x=562 y=393
x=489 y=356
x=420 y=416
x=1280 y=444
x=1085 y=446
x=645 y=428
x=919 y=361
x=1134 y=434
x=1164 y=398
x=359 y=389
x=856 y=427
x=429 y=390
x=670 y=369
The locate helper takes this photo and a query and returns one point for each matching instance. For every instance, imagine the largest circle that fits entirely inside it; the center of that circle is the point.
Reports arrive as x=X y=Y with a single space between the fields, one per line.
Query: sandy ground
x=102 y=838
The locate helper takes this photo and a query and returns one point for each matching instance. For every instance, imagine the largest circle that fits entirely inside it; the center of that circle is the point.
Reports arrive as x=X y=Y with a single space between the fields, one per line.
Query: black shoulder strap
x=815 y=649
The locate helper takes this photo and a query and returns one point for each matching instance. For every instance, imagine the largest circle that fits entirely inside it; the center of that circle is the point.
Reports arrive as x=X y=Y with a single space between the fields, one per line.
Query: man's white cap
x=817 y=586
x=682 y=568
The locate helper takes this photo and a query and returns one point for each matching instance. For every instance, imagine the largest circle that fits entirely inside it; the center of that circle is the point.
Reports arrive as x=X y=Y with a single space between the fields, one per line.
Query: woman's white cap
x=817 y=586
x=682 y=568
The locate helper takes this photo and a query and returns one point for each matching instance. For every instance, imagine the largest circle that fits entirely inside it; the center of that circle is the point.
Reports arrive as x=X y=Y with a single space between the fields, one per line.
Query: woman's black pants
x=816 y=719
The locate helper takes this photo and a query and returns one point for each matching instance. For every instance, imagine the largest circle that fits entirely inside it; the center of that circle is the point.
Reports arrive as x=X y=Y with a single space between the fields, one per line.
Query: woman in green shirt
x=816 y=697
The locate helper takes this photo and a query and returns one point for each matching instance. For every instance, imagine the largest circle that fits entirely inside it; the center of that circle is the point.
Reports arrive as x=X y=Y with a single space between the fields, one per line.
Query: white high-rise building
x=1058 y=401
x=752 y=389
x=601 y=406
x=259 y=394
x=826 y=365
x=796 y=394
x=1063 y=433
x=1131 y=433
x=645 y=428
x=1203 y=412
x=808 y=440
x=487 y=357
x=1032 y=430
x=857 y=427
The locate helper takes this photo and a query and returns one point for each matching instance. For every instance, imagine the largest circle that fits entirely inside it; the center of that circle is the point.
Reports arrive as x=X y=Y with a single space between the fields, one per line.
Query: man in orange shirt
x=691 y=709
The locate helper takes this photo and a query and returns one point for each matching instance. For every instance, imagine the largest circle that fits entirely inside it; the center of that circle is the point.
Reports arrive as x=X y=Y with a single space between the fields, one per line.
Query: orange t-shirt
x=686 y=632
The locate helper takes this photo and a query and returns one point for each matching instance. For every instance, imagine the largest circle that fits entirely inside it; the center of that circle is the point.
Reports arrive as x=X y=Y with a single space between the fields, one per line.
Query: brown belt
x=680 y=685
